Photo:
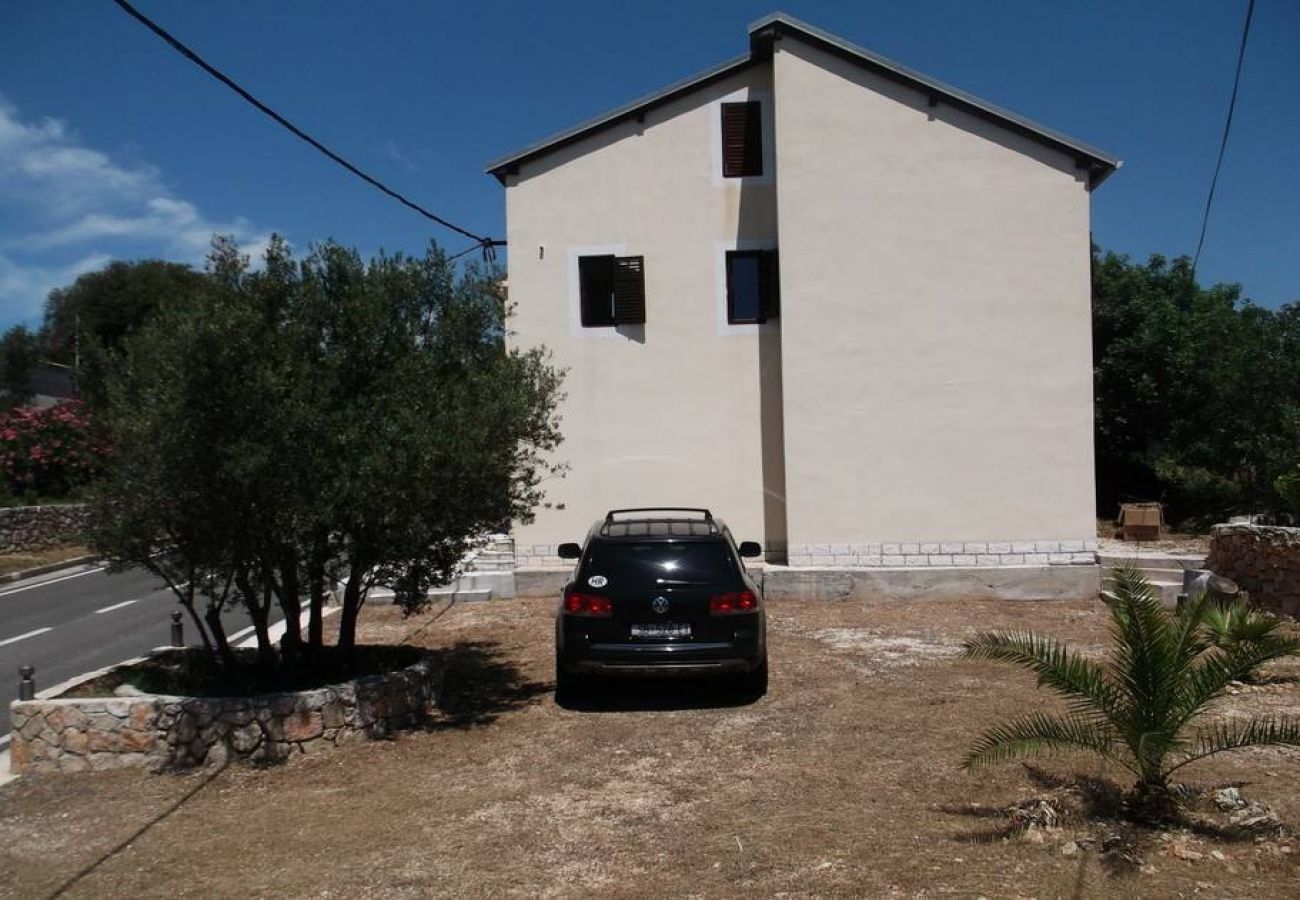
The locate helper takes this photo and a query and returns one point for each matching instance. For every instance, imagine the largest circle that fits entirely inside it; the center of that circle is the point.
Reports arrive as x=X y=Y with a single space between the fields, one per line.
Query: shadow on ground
x=655 y=694
x=481 y=685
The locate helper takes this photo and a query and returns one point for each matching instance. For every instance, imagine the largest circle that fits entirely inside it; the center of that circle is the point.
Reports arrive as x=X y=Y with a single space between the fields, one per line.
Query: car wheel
x=754 y=683
x=569 y=685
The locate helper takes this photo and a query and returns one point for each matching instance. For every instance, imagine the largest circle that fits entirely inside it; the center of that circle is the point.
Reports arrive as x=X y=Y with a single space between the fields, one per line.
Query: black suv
x=659 y=592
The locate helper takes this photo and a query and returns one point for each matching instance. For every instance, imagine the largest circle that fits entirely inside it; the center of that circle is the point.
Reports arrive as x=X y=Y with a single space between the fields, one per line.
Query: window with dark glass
x=753 y=287
x=611 y=290
x=742 y=139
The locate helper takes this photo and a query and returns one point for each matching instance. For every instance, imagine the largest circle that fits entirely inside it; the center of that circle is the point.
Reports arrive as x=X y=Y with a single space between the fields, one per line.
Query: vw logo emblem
x=659 y=605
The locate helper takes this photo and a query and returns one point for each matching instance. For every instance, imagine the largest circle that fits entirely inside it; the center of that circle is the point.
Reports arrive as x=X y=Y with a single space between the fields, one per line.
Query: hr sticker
x=597 y=581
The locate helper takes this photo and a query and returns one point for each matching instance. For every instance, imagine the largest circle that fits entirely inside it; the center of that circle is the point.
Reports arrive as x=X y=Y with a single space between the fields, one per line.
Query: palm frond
x=1080 y=679
x=1233 y=622
x=1144 y=648
x=1038 y=734
x=1279 y=731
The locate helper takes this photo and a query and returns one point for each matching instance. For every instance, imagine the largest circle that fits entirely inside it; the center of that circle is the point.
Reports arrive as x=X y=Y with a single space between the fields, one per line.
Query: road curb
x=48 y=568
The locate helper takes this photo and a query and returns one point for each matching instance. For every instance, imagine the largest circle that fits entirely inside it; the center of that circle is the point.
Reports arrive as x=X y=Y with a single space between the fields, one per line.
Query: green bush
x=1288 y=487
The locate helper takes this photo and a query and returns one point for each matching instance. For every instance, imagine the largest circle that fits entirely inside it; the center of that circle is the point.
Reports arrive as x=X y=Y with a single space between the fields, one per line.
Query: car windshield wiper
x=679 y=582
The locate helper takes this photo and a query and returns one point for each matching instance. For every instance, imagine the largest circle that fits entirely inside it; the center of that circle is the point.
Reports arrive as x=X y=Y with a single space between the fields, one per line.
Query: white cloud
x=23 y=288
x=66 y=208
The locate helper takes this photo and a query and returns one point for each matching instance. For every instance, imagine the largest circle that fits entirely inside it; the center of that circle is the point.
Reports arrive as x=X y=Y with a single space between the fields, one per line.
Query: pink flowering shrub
x=49 y=452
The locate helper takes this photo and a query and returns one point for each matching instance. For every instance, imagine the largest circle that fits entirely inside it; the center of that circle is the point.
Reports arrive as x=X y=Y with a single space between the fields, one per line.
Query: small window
x=611 y=290
x=753 y=287
x=742 y=139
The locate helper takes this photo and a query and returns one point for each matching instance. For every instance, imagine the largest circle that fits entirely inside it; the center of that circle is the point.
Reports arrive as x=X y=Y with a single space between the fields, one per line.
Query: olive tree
x=321 y=425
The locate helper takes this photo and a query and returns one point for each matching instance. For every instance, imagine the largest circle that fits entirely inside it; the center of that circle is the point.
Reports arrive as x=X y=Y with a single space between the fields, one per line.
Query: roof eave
x=509 y=164
x=778 y=25
x=763 y=34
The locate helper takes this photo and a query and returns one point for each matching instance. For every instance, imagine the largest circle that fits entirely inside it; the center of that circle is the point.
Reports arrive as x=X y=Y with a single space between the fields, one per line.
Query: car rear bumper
x=633 y=669
x=667 y=660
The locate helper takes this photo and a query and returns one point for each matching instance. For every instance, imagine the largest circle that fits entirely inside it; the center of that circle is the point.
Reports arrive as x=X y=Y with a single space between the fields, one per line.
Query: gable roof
x=762 y=35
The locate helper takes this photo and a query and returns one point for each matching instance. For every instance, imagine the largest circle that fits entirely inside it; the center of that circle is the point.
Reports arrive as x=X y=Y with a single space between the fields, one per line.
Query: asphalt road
x=78 y=620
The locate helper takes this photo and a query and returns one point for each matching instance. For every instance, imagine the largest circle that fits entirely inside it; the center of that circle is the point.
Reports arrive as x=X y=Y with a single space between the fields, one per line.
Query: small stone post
x=26 y=685
x=178 y=630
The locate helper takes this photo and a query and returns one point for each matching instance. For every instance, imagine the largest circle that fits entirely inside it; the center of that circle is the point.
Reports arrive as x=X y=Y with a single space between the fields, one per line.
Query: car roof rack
x=708 y=516
x=705 y=517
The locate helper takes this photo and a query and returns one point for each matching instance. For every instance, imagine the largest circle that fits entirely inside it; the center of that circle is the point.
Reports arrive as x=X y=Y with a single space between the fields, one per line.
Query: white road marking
x=231 y=638
x=276 y=630
x=115 y=606
x=23 y=637
x=39 y=584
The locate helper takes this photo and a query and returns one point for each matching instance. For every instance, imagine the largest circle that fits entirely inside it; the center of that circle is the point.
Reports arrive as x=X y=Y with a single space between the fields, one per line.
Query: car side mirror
x=750 y=548
x=569 y=551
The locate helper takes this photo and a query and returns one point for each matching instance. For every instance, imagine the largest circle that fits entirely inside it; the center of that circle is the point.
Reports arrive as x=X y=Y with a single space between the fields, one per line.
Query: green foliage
x=20 y=354
x=1142 y=707
x=1197 y=391
x=1288 y=487
x=87 y=322
x=321 y=424
x=1229 y=625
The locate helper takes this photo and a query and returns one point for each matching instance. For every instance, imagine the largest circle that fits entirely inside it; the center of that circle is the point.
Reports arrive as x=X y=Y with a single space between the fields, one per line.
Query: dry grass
x=843 y=781
x=18 y=562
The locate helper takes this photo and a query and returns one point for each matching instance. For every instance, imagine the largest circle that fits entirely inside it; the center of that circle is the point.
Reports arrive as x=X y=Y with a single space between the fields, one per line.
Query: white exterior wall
x=936 y=333
x=670 y=412
x=926 y=396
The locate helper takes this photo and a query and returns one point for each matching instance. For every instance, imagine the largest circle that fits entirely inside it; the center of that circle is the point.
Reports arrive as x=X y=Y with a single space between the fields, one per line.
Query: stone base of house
x=1064 y=581
x=1076 y=581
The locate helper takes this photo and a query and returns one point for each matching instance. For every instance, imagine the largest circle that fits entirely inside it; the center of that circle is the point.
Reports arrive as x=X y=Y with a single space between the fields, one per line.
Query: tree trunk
x=227 y=656
x=259 y=611
x=316 y=592
x=291 y=607
x=352 y=600
x=1152 y=803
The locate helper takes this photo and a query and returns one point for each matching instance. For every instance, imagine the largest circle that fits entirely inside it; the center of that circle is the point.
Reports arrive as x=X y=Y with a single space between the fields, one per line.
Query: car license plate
x=661 y=630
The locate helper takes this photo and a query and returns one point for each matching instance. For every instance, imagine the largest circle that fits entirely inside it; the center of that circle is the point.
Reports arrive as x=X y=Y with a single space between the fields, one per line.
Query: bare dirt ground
x=843 y=781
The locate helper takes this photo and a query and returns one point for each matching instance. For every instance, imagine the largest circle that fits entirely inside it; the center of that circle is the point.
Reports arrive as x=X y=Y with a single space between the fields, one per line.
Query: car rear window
x=661 y=563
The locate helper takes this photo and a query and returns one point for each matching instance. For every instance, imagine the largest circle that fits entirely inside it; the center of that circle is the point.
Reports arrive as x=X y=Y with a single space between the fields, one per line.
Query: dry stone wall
x=1264 y=560
x=40 y=527
x=161 y=732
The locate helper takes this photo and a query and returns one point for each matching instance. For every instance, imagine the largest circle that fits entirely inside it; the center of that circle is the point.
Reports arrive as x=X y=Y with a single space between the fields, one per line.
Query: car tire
x=569 y=686
x=754 y=683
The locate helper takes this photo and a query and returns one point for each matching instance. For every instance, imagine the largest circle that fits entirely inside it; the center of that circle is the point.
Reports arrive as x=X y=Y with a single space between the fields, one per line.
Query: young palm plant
x=1234 y=622
x=1142 y=707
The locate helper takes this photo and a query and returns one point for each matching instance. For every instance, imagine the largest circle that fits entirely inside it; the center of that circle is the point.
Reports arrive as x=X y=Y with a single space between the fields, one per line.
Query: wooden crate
x=1142 y=521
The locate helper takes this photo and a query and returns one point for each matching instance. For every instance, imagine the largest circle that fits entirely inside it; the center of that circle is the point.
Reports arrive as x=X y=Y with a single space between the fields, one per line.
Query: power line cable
x=1227 y=129
x=487 y=244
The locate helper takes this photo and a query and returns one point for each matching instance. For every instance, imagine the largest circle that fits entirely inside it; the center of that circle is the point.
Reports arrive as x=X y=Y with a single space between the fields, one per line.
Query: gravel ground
x=843 y=781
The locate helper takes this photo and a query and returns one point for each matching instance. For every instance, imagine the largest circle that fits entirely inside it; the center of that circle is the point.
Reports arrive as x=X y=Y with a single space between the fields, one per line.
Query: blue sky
x=113 y=146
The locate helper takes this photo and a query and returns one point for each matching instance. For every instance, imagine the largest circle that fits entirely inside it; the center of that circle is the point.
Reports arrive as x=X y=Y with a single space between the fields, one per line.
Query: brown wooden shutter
x=742 y=139
x=629 y=290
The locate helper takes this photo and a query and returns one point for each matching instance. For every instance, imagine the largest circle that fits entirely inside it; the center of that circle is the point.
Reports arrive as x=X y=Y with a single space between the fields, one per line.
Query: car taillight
x=579 y=604
x=737 y=602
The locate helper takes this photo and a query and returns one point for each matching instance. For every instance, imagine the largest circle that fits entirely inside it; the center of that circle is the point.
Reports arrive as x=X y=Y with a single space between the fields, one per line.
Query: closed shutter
x=742 y=139
x=629 y=290
x=772 y=286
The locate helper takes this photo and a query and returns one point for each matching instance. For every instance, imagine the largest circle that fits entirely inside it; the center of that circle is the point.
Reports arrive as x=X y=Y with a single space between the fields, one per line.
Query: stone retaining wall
x=1262 y=559
x=161 y=732
x=40 y=527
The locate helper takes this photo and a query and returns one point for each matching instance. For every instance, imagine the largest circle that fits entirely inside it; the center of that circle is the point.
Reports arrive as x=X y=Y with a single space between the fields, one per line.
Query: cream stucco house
x=842 y=304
